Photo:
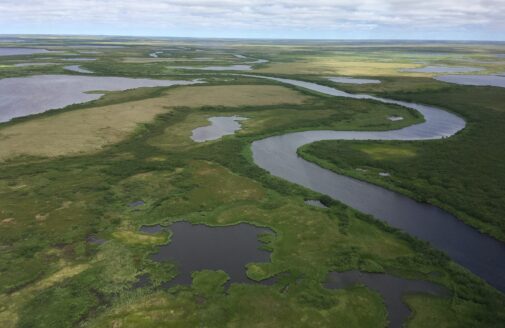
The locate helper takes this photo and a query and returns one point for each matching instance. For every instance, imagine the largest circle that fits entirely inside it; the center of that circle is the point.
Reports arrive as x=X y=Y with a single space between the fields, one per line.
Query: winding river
x=481 y=254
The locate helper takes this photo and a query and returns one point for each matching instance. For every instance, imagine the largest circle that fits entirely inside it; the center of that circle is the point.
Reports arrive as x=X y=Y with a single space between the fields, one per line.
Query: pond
x=195 y=247
x=220 y=126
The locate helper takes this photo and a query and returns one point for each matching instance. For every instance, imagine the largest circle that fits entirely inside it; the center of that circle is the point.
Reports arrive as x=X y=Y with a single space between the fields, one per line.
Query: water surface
x=23 y=96
x=480 y=253
x=391 y=288
x=79 y=59
x=195 y=247
x=220 y=126
x=6 y=51
x=351 y=80
x=34 y=64
x=482 y=80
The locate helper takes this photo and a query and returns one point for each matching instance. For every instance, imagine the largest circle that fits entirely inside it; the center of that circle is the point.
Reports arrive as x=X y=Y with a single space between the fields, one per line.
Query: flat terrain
x=77 y=184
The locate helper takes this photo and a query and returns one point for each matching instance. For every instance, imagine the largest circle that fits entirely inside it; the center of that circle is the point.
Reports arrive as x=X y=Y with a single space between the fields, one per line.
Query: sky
x=291 y=19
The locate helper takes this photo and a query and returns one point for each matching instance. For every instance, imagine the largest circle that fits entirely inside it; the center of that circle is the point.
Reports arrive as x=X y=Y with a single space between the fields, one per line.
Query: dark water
x=489 y=80
x=220 y=126
x=481 y=254
x=350 y=80
x=23 y=96
x=195 y=247
x=392 y=289
x=442 y=69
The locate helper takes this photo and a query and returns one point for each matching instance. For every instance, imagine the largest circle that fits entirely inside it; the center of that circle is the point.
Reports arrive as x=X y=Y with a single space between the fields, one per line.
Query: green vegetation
x=464 y=174
x=50 y=276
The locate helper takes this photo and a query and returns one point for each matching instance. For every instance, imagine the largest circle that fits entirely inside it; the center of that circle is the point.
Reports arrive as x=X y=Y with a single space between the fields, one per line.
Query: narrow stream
x=480 y=253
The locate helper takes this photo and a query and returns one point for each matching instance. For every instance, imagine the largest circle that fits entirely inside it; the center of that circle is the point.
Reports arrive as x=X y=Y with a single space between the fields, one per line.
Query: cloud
x=260 y=15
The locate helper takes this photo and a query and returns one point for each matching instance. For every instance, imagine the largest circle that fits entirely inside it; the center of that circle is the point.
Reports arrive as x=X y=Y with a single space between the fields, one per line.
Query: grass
x=234 y=96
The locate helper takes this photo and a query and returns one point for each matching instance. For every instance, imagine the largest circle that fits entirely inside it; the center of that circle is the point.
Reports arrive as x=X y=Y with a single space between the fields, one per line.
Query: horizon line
x=247 y=38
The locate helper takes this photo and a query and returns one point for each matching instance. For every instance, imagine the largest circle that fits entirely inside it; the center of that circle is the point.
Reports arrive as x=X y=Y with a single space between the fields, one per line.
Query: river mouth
x=195 y=247
x=481 y=254
x=220 y=126
x=391 y=288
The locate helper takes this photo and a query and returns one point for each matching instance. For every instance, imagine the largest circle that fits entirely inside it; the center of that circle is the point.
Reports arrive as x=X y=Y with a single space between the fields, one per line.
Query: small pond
x=220 y=126
x=391 y=288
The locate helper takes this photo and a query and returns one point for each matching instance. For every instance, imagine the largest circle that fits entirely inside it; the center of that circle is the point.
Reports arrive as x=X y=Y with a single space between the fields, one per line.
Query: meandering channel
x=481 y=254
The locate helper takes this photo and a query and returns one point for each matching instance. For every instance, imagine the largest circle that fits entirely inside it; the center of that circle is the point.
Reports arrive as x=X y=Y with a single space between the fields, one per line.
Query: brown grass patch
x=235 y=95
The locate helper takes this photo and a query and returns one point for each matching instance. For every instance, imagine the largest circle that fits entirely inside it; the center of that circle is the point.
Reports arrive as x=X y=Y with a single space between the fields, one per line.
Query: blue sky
x=307 y=19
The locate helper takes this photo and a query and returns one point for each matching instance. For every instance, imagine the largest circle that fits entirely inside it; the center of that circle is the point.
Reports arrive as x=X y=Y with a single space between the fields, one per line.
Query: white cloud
x=260 y=14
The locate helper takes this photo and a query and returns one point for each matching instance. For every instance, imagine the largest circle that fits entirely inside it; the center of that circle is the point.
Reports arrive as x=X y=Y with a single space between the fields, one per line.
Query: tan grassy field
x=237 y=95
x=91 y=129
x=329 y=66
